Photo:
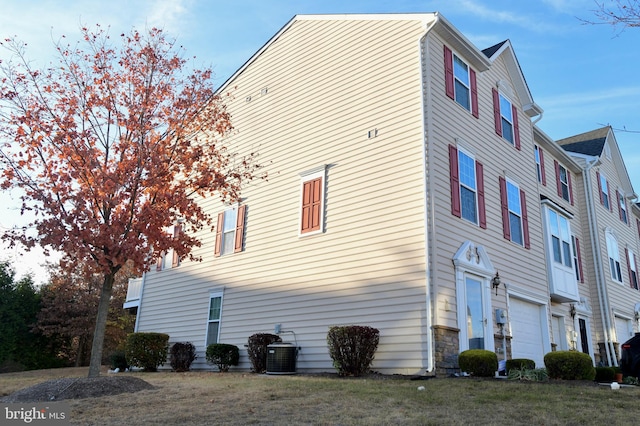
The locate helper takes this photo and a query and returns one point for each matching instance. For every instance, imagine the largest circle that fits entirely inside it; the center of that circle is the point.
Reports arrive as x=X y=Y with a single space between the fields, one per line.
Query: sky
x=584 y=76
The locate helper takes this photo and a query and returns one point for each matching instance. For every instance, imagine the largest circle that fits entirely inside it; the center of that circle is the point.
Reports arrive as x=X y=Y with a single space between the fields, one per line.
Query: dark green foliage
x=22 y=348
x=352 y=348
x=605 y=374
x=147 y=350
x=569 y=365
x=117 y=359
x=520 y=364
x=257 y=350
x=478 y=362
x=182 y=354
x=223 y=355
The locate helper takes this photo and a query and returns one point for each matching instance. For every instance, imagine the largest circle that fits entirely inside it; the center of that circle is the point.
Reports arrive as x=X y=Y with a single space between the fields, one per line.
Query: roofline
x=556 y=150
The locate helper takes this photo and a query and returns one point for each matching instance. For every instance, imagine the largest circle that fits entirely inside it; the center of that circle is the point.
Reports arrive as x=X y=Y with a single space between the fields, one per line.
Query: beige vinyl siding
x=518 y=267
x=328 y=83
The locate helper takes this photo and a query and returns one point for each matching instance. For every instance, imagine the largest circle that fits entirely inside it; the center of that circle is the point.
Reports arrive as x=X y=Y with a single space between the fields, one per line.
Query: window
x=560 y=239
x=631 y=264
x=563 y=181
x=622 y=206
x=169 y=259
x=603 y=188
x=312 y=194
x=213 y=321
x=230 y=231
x=460 y=82
x=506 y=119
x=614 y=257
x=539 y=155
x=515 y=224
x=467 y=187
x=577 y=258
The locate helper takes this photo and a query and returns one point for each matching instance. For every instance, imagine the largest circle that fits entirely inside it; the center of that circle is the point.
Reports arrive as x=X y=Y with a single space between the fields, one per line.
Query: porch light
x=572 y=310
x=636 y=315
x=495 y=282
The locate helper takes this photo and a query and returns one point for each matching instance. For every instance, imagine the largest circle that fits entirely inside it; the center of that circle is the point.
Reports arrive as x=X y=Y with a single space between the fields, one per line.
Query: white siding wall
x=328 y=83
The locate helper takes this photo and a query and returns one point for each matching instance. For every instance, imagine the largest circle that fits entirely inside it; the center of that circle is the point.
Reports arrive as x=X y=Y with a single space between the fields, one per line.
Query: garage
x=527 y=331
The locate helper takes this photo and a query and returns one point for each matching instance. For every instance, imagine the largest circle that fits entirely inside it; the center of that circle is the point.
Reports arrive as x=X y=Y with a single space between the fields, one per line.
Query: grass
x=197 y=398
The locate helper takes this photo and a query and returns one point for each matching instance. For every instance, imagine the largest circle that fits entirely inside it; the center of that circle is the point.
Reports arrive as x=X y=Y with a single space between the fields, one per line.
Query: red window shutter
x=311 y=204
x=504 y=204
x=516 y=127
x=638 y=226
x=599 y=187
x=558 y=181
x=579 y=255
x=218 y=245
x=239 y=229
x=482 y=215
x=610 y=198
x=525 y=220
x=542 y=172
x=474 y=93
x=454 y=181
x=497 y=117
x=635 y=262
x=570 y=187
x=177 y=229
x=618 y=203
x=626 y=254
x=448 y=72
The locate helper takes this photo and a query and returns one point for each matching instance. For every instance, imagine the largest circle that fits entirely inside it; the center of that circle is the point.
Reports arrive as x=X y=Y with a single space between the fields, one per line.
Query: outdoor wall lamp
x=572 y=310
x=636 y=315
x=495 y=282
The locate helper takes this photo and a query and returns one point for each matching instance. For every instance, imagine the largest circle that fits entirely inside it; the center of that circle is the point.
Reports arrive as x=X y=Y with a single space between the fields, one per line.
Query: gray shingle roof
x=489 y=51
x=588 y=143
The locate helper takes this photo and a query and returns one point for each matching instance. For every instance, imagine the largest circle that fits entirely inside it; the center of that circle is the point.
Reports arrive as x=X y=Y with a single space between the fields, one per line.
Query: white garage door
x=526 y=330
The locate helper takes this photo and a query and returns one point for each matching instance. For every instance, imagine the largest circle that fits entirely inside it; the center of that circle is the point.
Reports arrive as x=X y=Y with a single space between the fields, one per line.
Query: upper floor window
x=614 y=257
x=563 y=181
x=603 y=188
x=515 y=224
x=622 y=207
x=633 y=271
x=539 y=156
x=312 y=212
x=230 y=231
x=560 y=239
x=169 y=259
x=577 y=258
x=467 y=187
x=460 y=82
x=506 y=118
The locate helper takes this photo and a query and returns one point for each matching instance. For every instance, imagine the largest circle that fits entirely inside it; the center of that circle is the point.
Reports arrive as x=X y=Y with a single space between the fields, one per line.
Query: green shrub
x=182 y=354
x=569 y=365
x=478 y=362
x=520 y=364
x=352 y=348
x=605 y=374
x=223 y=355
x=147 y=350
x=529 y=374
x=117 y=359
x=257 y=350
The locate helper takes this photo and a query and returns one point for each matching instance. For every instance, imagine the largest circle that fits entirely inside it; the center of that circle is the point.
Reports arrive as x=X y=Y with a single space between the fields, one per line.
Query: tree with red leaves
x=108 y=148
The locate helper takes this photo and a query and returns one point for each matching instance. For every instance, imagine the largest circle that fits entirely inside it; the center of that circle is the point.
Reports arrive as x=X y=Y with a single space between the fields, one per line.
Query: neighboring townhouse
x=409 y=190
x=613 y=232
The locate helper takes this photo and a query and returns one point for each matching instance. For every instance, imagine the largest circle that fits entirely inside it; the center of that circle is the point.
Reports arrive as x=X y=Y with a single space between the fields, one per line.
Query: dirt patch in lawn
x=77 y=388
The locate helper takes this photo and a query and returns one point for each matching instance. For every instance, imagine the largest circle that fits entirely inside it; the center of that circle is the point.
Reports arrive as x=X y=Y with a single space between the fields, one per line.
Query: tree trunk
x=101 y=325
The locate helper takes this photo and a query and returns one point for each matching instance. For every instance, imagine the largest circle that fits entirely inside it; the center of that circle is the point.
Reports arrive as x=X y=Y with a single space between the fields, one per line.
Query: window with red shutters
x=515 y=220
x=466 y=180
x=578 y=259
x=460 y=82
x=230 y=231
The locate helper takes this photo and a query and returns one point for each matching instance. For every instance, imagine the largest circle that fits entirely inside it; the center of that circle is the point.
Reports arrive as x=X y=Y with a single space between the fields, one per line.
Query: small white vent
x=372 y=133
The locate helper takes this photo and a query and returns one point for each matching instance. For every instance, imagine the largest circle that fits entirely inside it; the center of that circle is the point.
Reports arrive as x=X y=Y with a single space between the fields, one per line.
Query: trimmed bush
x=605 y=374
x=257 y=350
x=520 y=364
x=223 y=355
x=569 y=365
x=118 y=359
x=147 y=350
x=352 y=348
x=182 y=354
x=478 y=362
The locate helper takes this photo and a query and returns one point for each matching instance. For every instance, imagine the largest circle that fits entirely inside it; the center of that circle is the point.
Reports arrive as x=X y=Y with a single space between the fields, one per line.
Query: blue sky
x=583 y=76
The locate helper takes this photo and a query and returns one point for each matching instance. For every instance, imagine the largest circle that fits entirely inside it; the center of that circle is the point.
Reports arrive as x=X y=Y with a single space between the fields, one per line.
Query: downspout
x=425 y=80
x=603 y=300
